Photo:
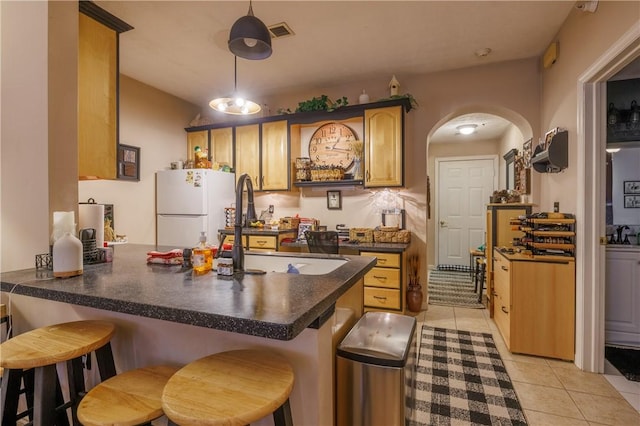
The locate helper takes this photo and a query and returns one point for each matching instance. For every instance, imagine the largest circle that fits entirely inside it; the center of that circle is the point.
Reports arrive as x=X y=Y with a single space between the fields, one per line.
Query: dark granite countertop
x=274 y=305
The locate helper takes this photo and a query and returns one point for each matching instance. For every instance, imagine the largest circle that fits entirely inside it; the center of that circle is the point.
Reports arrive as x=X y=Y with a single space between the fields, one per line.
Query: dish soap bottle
x=202 y=256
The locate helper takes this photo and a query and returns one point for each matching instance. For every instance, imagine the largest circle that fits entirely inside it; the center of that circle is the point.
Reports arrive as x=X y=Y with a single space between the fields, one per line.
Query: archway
x=518 y=125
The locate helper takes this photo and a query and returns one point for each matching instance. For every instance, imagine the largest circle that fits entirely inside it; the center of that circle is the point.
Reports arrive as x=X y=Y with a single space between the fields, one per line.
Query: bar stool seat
x=128 y=399
x=230 y=388
x=41 y=349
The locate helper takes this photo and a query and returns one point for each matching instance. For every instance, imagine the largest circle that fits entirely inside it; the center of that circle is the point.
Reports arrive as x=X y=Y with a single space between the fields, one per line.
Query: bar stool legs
x=32 y=357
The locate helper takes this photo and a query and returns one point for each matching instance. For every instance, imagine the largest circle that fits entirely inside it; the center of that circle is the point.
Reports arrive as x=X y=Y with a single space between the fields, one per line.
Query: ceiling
x=180 y=47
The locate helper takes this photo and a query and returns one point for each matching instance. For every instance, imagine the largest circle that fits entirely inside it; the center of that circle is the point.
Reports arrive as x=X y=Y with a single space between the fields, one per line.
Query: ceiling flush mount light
x=467 y=129
x=612 y=150
x=249 y=37
x=236 y=105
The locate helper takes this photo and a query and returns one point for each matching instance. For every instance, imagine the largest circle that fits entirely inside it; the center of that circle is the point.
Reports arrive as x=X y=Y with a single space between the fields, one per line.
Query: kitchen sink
x=305 y=265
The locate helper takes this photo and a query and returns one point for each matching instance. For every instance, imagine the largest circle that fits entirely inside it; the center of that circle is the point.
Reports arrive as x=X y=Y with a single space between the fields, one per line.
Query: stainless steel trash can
x=375 y=370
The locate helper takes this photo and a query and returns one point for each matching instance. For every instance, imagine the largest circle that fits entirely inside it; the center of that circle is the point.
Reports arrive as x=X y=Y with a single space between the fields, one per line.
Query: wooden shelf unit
x=549 y=236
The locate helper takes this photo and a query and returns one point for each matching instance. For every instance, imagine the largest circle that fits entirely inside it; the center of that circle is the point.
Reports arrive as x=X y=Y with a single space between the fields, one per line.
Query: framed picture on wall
x=526 y=153
x=334 y=200
x=632 y=201
x=128 y=162
x=632 y=186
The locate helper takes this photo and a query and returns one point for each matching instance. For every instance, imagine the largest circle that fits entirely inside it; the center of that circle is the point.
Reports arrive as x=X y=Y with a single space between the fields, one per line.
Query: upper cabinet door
x=248 y=152
x=97 y=100
x=275 y=156
x=222 y=146
x=383 y=147
x=194 y=139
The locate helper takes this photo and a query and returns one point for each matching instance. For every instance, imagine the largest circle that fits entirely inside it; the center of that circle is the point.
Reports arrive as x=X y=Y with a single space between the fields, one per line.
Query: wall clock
x=330 y=144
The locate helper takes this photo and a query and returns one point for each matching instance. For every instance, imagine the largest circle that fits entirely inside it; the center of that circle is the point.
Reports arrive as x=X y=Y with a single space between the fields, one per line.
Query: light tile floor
x=551 y=392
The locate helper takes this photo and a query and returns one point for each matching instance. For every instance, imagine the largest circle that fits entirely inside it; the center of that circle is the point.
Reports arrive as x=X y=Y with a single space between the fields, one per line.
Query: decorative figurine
x=394 y=86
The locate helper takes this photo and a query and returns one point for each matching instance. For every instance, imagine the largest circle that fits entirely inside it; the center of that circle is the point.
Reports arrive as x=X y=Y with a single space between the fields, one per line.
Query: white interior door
x=464 y=187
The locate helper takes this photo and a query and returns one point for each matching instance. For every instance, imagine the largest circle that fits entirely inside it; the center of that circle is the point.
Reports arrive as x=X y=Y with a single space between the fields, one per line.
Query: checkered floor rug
x=451 y=288
x=460 y=379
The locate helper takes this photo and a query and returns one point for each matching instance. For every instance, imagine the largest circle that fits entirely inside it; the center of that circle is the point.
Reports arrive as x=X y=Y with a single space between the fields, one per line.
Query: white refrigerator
x=189 y=201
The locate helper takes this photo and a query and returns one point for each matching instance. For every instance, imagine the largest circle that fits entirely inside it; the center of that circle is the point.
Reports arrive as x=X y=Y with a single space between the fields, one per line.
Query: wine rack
x=544 y=235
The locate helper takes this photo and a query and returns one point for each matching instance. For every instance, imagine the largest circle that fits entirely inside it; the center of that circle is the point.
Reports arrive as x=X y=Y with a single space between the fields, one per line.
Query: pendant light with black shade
x=235 y=104
x=249 y=37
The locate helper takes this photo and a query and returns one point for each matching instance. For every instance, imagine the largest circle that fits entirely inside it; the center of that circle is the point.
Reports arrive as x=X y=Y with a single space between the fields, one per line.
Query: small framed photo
x=548 y=137
x=632 y=186
x=632 y=201
x=334 y=200
x=527 y=152
x=128 y=162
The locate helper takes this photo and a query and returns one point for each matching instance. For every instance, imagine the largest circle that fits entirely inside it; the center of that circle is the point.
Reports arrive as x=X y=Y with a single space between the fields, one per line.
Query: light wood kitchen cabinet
x=248 y=152
x=258 y=241
x=622 y=296
x=98 y=32
x=535 y=304
x=383 y=285
x=262 y=151
x=500 y=233
x=194 y=139
x=221 y=146
x=275 y=156
x=383 y=147
x=97 y=99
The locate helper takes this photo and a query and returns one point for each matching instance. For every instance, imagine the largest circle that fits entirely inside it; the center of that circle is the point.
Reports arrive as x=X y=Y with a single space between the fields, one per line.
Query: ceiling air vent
x=280 y=30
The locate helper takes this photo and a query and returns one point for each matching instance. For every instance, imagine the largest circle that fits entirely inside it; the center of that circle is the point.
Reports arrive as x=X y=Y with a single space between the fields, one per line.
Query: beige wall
x=155 y=122
x=583 y=38
x=24 y=202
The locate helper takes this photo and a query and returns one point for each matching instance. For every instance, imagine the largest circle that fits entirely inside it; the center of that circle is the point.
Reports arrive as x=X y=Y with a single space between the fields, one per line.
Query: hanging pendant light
x=249 y=37
x=236 y=105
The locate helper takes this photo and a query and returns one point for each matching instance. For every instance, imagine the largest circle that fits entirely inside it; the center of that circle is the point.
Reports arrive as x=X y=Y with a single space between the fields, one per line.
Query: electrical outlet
x=556 y=207
x=271 y=208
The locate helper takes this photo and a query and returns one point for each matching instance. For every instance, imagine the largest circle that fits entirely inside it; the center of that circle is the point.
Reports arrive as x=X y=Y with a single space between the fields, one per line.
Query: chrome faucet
x=237 y=253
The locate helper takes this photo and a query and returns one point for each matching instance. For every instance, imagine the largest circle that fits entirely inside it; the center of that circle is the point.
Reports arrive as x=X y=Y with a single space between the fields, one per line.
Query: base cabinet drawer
x=262 y=242
x=382 y=298
x=383 y=277
x=502 y=320
x=385 y=260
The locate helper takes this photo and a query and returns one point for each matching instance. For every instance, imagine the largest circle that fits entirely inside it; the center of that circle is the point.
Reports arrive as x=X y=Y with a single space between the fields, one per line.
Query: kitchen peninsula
x=165 y=315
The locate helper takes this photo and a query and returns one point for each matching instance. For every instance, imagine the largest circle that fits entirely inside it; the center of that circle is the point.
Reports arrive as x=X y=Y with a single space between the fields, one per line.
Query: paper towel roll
x=92 y=216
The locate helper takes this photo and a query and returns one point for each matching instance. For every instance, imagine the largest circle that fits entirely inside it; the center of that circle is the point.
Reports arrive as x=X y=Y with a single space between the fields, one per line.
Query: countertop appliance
x=189 y=201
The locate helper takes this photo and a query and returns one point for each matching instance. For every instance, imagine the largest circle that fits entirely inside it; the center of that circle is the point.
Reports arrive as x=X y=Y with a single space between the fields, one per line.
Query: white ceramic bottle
x=67 y=256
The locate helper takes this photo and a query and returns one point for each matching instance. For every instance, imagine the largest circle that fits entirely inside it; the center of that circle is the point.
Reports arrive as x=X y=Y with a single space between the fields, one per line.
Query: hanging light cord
x=235 y=75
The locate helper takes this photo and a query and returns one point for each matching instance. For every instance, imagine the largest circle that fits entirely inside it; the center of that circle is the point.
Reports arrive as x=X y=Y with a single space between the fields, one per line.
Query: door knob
x=443 y=224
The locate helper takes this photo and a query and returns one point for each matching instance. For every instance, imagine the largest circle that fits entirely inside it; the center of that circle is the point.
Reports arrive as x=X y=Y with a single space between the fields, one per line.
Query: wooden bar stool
x=230 y=388
x=128 y=399
x=38 y=351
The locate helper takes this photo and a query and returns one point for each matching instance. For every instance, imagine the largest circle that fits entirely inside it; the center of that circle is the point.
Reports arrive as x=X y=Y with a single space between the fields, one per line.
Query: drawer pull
x=380 y=297
x=504 y=310
x=504 y=268
x=382 y=260
x=378 y=277
x=261 y=242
